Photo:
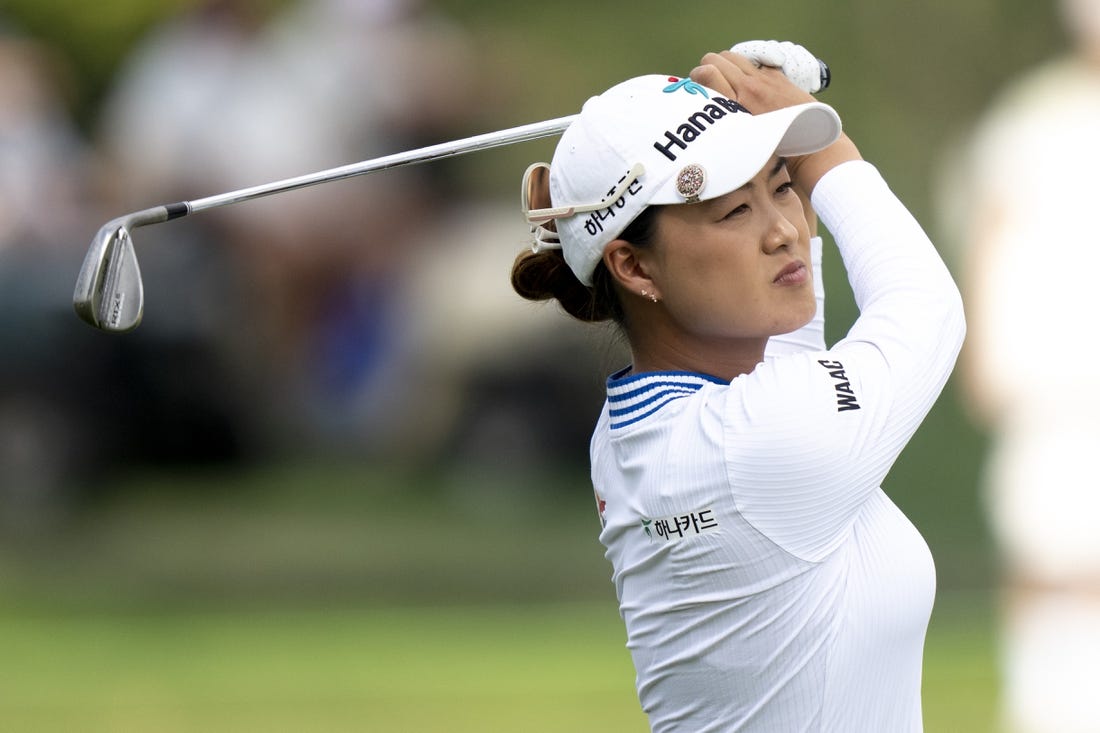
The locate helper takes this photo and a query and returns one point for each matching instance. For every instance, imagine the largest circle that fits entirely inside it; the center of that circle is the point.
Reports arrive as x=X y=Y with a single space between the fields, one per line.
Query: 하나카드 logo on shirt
x=679 y=526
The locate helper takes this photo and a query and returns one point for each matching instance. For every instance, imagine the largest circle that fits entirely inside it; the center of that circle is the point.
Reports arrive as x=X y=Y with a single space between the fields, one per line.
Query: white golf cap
x=662 y=140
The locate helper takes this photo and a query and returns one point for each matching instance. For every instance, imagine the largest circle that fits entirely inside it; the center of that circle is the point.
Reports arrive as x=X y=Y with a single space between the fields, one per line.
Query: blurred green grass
x=552 y=667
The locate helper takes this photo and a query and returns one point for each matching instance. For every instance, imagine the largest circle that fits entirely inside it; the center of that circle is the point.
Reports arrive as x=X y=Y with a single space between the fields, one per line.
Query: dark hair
x=545 y=276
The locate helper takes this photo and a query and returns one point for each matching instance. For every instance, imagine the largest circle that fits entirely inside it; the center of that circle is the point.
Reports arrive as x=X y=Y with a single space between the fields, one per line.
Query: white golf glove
x=804 y=69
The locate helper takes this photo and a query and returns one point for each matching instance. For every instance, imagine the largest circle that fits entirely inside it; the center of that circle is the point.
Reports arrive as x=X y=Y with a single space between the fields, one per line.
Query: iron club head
x=109 y=293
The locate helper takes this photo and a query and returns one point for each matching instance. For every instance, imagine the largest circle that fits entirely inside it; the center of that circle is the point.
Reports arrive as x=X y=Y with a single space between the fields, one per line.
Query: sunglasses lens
x=536 y=188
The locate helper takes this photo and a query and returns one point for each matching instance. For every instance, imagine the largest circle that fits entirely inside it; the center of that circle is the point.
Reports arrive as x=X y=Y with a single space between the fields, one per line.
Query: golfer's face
x=737 y=266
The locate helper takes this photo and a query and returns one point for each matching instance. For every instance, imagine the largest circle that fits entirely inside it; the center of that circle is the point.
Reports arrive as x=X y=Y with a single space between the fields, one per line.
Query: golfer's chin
x=799 y=316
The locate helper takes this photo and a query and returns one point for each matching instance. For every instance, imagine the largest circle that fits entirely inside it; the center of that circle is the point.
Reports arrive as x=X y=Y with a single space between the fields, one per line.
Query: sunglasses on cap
x=535 y=195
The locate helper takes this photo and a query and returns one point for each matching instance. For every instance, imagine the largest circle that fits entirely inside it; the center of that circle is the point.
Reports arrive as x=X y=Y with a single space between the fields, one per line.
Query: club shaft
x=485 y=141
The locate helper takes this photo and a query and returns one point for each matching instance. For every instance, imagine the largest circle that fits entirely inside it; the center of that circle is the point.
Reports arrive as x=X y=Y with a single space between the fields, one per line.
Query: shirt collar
x=634 y=397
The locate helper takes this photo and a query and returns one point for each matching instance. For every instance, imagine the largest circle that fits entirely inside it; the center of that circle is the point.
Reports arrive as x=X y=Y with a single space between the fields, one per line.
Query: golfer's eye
x=785 y=188
x=742 y=209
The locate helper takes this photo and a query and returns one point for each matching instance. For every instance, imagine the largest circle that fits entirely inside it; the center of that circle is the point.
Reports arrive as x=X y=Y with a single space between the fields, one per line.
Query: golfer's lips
x=793 y=274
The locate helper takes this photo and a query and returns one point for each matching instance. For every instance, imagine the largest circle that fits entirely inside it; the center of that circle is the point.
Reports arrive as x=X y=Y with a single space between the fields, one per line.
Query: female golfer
x=766 y=581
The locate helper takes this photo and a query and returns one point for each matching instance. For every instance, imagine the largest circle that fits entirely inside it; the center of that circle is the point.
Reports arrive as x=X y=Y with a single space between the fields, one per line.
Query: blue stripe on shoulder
x=634 y=397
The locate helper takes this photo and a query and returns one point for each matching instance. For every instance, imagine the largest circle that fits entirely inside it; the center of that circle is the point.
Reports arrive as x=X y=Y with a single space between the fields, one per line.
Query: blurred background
x=337 y=478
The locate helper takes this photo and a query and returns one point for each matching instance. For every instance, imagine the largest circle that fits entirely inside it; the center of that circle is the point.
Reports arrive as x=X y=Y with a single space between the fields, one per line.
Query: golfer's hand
x=757 y=88
x=799 y=65
x=765 y=89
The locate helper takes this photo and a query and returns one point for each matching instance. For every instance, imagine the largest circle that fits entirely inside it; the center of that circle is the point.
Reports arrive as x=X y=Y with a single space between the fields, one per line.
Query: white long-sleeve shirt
x=766 y=581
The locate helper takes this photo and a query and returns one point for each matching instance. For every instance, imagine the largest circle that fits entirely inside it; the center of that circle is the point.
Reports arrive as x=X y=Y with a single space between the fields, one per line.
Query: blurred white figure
x=44 y=208
x=158 y=136
x=42 y=157
x=1032 y=374
x=232 y=95
x=333 y=82
x=167 y=107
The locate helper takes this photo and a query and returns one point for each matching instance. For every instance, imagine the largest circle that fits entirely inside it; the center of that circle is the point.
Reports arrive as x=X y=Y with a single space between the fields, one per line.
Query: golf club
x=109 y=293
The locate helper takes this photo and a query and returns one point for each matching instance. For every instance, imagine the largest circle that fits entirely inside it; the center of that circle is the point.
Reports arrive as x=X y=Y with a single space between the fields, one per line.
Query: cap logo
x=697 y=125
x=690 y=181
x=687 y=85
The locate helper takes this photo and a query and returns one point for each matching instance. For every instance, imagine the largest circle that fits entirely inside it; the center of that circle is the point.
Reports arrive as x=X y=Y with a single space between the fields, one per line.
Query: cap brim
x=811 y=127
x=732 y=158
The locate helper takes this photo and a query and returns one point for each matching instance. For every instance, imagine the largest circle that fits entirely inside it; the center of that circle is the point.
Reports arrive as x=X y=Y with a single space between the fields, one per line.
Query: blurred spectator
x=228 y=96
x=368 y=78
x=73 y=402
x=44 y=208
x=42 y=153
x=1029 y=372
x=183 y=376
x=352 y=316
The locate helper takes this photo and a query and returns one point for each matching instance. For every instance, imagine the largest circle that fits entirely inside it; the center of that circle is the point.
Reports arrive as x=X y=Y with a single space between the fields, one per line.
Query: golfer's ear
x=626 y=266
